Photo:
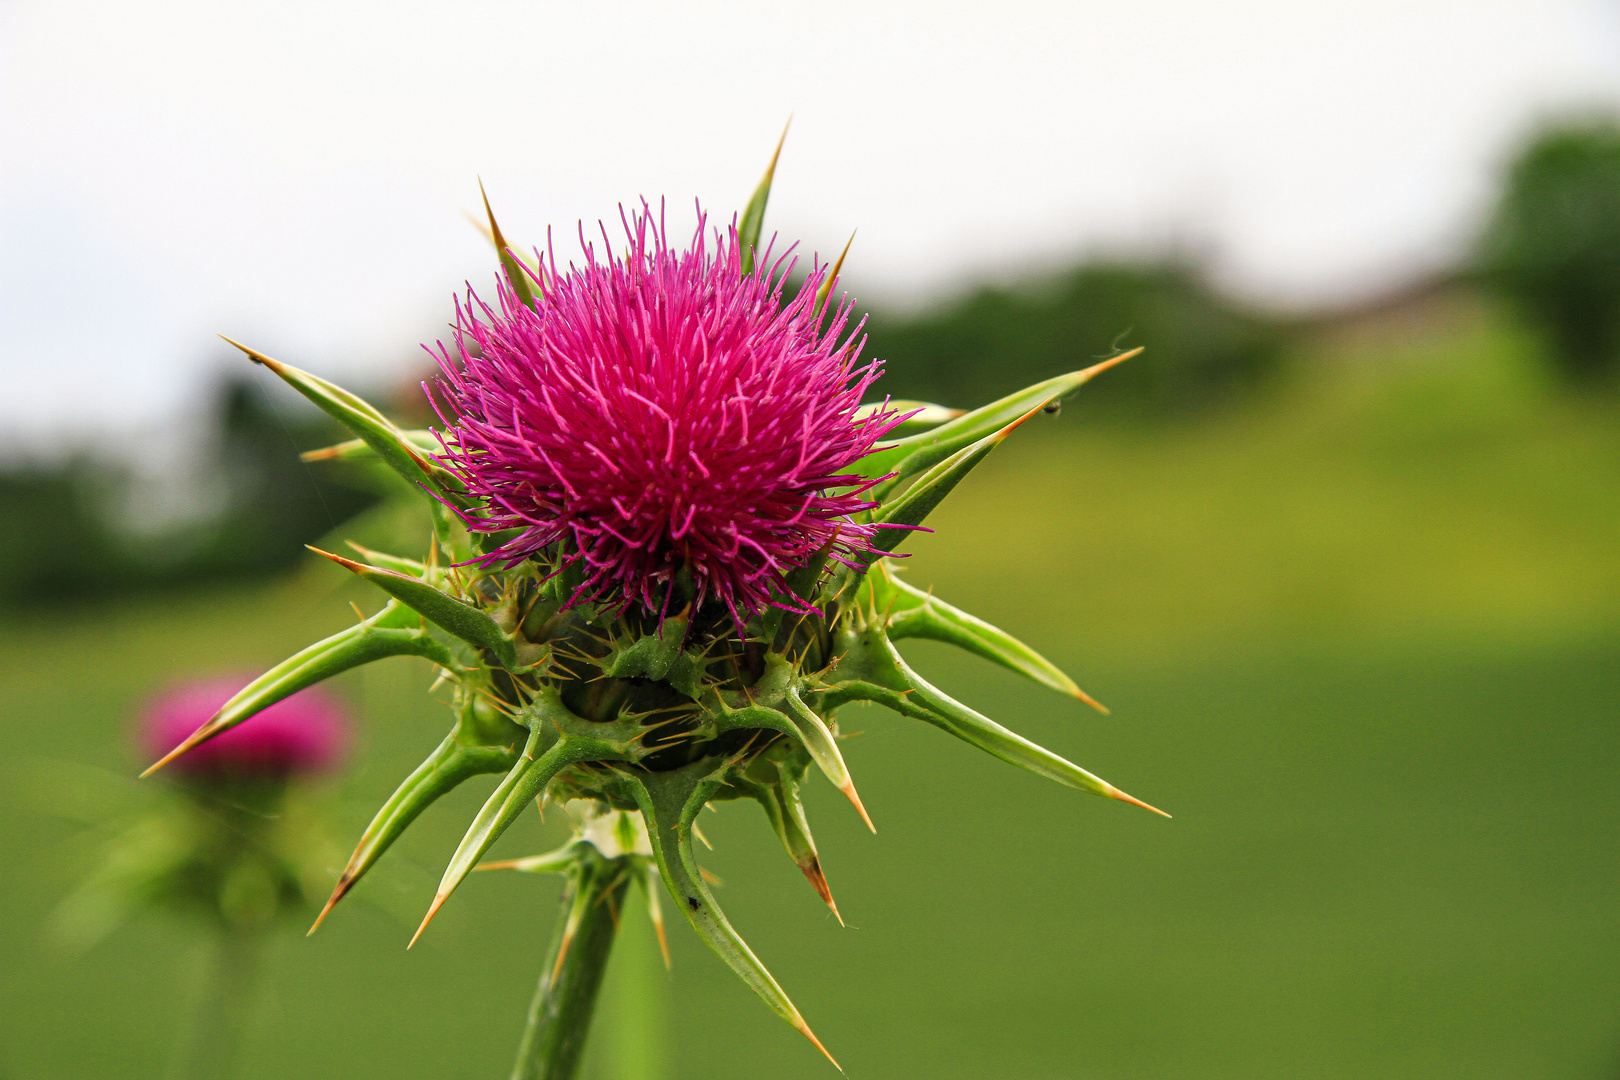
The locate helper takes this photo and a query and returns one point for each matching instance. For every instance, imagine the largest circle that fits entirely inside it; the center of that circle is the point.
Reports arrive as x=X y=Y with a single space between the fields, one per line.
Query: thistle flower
x=657 y=574
x=304 y=734
x=664 y=411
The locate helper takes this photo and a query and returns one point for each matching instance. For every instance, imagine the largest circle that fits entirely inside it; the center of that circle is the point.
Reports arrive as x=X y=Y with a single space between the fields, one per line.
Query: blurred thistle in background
x=233 y=845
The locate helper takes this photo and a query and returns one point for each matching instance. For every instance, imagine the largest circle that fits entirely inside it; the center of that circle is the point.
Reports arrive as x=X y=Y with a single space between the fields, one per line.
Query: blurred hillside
x=1360 y=632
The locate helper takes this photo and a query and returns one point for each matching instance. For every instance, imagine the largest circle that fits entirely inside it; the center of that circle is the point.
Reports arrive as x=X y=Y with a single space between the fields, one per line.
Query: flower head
x=664 y=411
x=305 y=733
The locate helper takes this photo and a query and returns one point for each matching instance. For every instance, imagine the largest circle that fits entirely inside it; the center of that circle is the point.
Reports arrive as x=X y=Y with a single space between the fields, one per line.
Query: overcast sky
x=297 y=176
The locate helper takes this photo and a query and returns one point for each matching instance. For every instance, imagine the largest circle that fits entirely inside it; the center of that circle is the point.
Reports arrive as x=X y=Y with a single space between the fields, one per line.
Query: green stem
x=560 y=1015
x=221 y=1020
x=633 y=1003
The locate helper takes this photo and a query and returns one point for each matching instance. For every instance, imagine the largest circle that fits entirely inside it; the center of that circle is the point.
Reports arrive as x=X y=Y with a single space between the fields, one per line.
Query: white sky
x=296 y=176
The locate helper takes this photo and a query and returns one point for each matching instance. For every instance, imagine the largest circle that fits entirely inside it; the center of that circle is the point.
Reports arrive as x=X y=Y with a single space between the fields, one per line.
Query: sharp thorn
x=438 y=902
x=1018 y=423
x=818 y=881
x=337 y=894
x=1115 y=793
x=655 y=912
x=663 y=945
x=1097 y=369
x=505 y=864
x=477 y=222
x=770 y=170
x=804 y=1029
x=1081 y=695
x=849 y=792
x=348 y=564
x=255 y=355
x=201 y=735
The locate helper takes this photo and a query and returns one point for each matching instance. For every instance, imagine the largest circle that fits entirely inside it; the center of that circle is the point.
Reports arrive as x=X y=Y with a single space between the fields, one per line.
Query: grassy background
x=1362 y=637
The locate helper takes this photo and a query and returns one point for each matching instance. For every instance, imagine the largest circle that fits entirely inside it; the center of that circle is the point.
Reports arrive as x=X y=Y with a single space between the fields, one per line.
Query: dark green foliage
x=63 y=541
x=1202 y=348
x=1553 y=245
x=275 y=502
x=55 y=546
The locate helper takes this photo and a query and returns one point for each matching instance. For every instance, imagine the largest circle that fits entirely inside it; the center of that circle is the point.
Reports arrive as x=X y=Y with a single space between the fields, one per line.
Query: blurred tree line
x=1551 y=247
x=64 y=541
x=1203 y=348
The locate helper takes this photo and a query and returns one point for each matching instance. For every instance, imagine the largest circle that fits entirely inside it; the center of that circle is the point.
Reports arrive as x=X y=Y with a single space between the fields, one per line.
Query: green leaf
x=912 y=506
x=753 y=218
x=394 y=631
x=914 y=453
x=544 y=756
x=654 y=656
x=397 y=563
x=445 y=768
x=823 y=747
x=669 y=802
x=908 y=611
x=558 y=738
x=777 y=793
x=928 y=416
x=456 y=617
x=517 y=275
x=361 y=417
x=872 y=669
x=773 y=703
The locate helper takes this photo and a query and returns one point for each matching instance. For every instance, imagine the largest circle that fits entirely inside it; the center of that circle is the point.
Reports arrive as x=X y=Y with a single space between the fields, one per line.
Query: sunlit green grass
x=1361 y=637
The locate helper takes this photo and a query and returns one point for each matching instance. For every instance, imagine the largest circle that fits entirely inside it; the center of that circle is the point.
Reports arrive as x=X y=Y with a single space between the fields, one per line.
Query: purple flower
x=305 y=733
x=664 y=410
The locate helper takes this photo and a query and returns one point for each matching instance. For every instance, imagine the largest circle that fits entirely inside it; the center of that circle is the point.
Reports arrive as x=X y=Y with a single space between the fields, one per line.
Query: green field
x=1361 y=636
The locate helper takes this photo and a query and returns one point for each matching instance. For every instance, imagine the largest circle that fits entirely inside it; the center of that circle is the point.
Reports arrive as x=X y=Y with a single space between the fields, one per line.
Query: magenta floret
x=663 y=410
x=303 y=734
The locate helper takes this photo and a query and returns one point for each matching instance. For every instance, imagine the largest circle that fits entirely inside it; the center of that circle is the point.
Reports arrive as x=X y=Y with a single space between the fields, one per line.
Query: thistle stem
x=560 y=1015
x=221 y=1021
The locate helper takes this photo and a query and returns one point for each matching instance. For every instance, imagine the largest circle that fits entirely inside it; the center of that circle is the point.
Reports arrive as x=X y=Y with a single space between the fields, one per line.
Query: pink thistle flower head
x=663 y=412
x=303 y=734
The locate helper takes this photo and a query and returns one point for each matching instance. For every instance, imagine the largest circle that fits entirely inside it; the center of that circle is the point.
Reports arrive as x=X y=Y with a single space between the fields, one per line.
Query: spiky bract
x=663 y=410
